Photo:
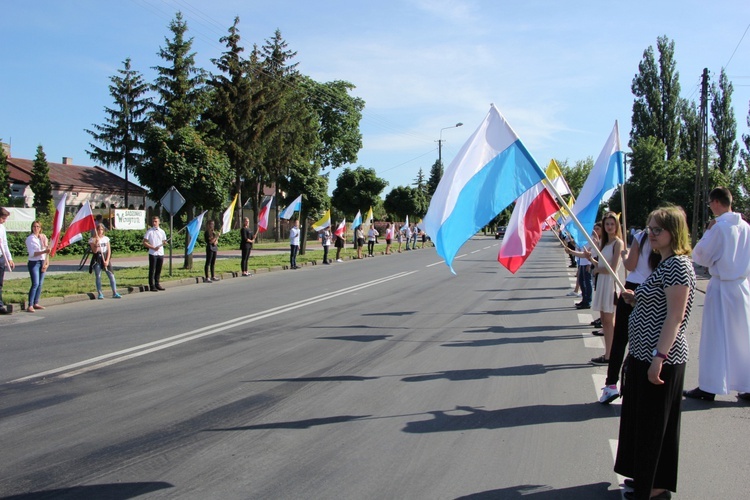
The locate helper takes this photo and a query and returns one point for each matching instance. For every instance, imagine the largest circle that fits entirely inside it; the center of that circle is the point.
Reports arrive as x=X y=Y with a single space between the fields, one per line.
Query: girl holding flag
x=38 y=247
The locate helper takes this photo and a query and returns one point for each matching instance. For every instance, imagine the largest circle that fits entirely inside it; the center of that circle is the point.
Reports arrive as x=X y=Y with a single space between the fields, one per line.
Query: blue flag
x=607 y=174
x=193 y=229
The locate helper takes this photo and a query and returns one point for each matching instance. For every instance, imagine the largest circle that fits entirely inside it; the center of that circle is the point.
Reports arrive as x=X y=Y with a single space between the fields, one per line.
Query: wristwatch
x=657 y=354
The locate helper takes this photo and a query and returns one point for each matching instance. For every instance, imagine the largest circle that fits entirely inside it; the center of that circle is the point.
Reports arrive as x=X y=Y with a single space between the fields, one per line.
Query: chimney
x=67 y=160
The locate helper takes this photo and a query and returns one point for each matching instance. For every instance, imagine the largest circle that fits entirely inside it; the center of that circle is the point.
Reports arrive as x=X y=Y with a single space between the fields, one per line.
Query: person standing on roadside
x=724 y=359
x=388 y=238
x=212 y=248
x=372 y=235
x=101 y=259
x=154 y=240
x=294 y=244
x=246 y=245
x=38 y=247
x=325 y=240
x=339 y=244
x=649 y=438
x=6 y=259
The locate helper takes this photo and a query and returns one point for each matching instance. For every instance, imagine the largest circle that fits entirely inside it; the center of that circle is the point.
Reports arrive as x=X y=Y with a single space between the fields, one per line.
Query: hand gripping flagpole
x=602 y=260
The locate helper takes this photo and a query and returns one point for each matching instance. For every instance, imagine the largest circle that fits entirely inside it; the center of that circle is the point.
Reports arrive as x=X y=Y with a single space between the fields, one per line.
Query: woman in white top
x=605 y=296
x=38 y=247
x=101 y=259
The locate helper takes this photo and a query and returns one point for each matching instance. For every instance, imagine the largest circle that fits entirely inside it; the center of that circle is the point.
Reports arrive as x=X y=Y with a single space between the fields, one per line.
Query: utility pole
x=700 y=198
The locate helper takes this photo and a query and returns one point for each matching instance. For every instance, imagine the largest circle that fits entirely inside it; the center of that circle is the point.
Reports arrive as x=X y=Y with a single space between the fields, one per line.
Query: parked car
x=500 y=232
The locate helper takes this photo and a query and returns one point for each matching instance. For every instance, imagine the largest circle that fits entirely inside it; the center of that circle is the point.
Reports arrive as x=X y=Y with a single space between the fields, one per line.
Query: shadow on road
x=476 y=418
x=539 y=492
x=119 y=491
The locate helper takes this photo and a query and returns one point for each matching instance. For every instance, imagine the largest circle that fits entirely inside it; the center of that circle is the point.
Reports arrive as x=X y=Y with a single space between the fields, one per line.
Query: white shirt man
x=294 y=244
x=724 y=359
x=154 y=240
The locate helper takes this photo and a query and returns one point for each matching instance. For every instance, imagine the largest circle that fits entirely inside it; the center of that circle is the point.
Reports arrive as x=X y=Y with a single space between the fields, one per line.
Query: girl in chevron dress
x=649 y=439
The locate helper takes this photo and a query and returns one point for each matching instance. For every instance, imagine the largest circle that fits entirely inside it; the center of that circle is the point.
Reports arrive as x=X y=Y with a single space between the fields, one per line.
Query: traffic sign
x=172 y=201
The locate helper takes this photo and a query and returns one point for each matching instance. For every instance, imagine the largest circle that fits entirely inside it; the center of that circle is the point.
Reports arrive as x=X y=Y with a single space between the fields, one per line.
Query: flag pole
x=602 y=260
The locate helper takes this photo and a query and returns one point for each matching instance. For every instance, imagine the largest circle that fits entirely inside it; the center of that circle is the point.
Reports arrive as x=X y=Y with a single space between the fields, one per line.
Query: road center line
x=143 y=349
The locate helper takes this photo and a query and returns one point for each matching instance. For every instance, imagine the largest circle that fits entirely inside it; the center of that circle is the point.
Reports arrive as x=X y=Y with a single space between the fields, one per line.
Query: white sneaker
x=609 y=394
x=339 y=260
x=572 y=294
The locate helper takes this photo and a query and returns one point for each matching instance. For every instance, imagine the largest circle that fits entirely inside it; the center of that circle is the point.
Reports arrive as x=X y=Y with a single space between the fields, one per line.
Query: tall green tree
x=576 y=175
x=230 y=117
x=724 y=124
x=402 y=201
x=436 y=173
x=657 y=98
x=339 y=115
x=121 y=134
x=690 y=130
x=745 y=153
x=4 y=177
x=179 y=84
x=357 y=189
x=182 y=159
x=40 y=183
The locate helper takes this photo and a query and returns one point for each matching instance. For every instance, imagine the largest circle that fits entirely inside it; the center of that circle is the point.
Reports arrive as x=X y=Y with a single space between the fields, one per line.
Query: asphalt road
x=374 y=379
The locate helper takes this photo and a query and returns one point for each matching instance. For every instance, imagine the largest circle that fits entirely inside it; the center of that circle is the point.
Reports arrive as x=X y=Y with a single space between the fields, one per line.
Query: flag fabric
x=525 y=227
x=295 y=206
x=420 y=225
x=263 y=216
x=82 y=222
x=193 y=229
x=554 y=174
x=226 y=219
x=406 y=224
x=340 y=229
x=57 y=224
x=368 y=220
x=607 y=174
x=357 y=220
x=491 y=170
x=324 y=222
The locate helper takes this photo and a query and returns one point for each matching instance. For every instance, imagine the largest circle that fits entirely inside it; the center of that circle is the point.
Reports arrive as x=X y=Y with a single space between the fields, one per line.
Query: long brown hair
x=605 y=234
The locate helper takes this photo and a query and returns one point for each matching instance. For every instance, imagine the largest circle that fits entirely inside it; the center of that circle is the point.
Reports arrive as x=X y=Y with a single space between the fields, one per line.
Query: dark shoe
x=601 y=360
x=697 y=393
x=629 y=483
x=745 y=396
x=4 y=310
x=583 y=306
x=598 y=333
x=154 y=290
x=159 y=287
x=597 y=323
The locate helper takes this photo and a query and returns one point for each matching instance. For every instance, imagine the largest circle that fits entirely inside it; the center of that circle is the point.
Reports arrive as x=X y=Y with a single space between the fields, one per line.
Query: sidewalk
x=58 y=266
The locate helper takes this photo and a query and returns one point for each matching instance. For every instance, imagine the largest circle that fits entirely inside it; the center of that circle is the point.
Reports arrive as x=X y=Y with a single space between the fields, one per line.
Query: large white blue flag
x=295 y=206
x=607 y=174
x=193 y=228
x=491 y=170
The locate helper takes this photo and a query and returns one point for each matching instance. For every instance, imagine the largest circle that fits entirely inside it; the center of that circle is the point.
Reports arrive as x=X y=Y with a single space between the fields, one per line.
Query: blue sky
x=560 y=72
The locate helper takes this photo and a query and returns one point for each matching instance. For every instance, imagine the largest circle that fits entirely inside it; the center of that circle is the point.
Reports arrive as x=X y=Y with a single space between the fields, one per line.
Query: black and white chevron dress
x=650 y=312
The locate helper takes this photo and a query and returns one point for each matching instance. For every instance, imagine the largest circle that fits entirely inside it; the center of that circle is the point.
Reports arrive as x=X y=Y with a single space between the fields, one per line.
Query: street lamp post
x=440 y=142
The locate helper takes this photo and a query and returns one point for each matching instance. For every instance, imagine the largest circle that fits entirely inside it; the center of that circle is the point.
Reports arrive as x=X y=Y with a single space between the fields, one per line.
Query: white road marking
x=476 y=251
x=141 y=350
x=462 y=255
x=585 y=319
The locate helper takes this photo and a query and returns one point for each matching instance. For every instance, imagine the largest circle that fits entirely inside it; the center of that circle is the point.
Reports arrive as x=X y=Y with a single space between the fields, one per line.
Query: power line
x=737 y=47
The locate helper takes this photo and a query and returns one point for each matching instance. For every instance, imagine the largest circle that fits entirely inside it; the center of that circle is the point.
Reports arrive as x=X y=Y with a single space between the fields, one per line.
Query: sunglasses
x=656 y=231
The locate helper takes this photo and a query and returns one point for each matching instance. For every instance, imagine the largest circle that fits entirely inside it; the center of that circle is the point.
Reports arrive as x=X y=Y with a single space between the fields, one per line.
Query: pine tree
x=40 y=183
x=121 y=135
x=4 y=178
x=180 y=85
x=724 y=124
x=436 y=173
